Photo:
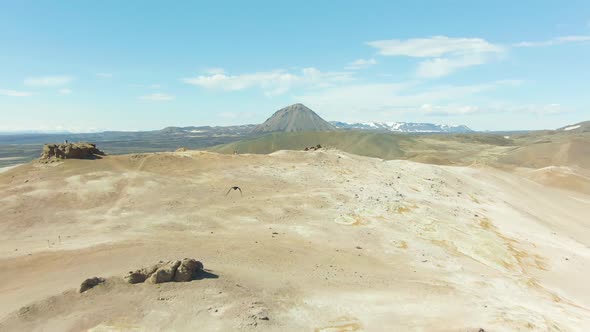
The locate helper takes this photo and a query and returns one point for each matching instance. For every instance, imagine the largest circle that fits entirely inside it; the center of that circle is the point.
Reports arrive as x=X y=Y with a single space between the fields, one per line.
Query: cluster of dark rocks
x=172 y=271
x=82 y=150
x=313 y=148
x=179 y=271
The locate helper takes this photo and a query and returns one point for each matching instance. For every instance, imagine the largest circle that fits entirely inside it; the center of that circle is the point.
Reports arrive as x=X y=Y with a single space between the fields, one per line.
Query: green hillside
x=436 y=149
x=362 y=143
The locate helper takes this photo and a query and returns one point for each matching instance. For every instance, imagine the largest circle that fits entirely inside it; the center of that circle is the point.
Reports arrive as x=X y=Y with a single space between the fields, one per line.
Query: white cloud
x=447 y=110
x=14 y=93
x=64 y=91
x=551 y=109
x=537 y=109
x=384 y=102
x=445 y=55
x=361 y=63
x=494 y=108
x=104 y=75
x=215 y=70
x=274 y=82
x=48 y=81
x=554 y=41
x=50 y=129
x=157 y=97
x=439 y=67
x=434 y=47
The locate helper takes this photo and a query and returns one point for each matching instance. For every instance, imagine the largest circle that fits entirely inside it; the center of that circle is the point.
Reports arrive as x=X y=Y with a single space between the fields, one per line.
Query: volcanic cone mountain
x=296 y=117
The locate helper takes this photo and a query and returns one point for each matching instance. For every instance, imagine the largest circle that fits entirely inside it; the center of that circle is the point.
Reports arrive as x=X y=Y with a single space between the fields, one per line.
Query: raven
x=234 y=188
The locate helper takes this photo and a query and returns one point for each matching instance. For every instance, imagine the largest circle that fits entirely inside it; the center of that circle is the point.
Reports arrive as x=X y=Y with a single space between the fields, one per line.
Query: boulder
x=179 y=271
x=135 y=277
x=165 y=273
x=82 y=150
x=188 y=270
x=90 y=283
x=139 y=276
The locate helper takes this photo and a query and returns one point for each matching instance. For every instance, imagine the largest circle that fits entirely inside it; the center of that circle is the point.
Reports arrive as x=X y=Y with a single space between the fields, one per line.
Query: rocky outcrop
x=82 y=150
x=313 y=148
x=90 y=283
x=187 y=270
x=139 y=276
x=164 y=273
x=179 y=271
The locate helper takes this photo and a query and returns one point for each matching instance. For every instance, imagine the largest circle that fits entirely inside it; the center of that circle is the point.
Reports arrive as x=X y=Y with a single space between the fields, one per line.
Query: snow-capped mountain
x=404 y=127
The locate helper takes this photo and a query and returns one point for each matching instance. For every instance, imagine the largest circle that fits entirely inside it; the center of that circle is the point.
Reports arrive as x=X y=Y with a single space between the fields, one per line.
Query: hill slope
x=435 y=149
x=535 y=149
x=296 y=117
x=319 y=241
x=580 y=127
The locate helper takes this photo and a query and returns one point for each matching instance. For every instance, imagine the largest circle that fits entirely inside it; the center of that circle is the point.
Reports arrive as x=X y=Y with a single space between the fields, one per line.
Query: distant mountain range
x=404 y=127
x=293 y=118
x=298 y=117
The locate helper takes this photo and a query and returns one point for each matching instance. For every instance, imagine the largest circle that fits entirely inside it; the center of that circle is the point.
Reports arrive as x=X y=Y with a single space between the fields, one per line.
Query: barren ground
x=319 y=241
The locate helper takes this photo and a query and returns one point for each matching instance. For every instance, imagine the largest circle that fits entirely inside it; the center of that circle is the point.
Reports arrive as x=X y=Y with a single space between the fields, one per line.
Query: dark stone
x=90 y=283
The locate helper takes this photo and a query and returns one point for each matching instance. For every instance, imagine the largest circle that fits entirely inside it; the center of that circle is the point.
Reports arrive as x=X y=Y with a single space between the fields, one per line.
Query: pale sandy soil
x=7 y=168
x=319 y=241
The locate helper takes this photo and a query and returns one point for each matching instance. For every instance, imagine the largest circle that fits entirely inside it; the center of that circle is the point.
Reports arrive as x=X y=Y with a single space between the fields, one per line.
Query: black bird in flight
x=234 y=188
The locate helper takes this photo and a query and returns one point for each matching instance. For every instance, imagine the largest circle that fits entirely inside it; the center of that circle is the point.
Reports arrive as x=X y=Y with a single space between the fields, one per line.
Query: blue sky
x=136 y=65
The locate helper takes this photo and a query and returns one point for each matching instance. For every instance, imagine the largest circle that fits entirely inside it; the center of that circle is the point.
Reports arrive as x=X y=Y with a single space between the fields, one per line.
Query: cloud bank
x=444 y=55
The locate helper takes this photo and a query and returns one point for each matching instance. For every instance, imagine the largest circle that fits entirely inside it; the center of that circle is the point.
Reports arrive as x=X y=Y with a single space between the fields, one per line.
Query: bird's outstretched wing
x=234 y=188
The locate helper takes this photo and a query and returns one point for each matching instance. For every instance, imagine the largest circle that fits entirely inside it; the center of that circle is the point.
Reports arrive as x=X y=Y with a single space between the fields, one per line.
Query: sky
x=86 y=66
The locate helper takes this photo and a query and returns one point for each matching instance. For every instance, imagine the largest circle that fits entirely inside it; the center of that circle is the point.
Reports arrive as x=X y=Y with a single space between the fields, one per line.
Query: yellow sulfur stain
x=342 y=324
x=405 y=208
x=522 y=257
x=350 y=220
x=340 y=328
x=402 y=209
x=357 y=221
x=402 y=245
x=485 y=224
